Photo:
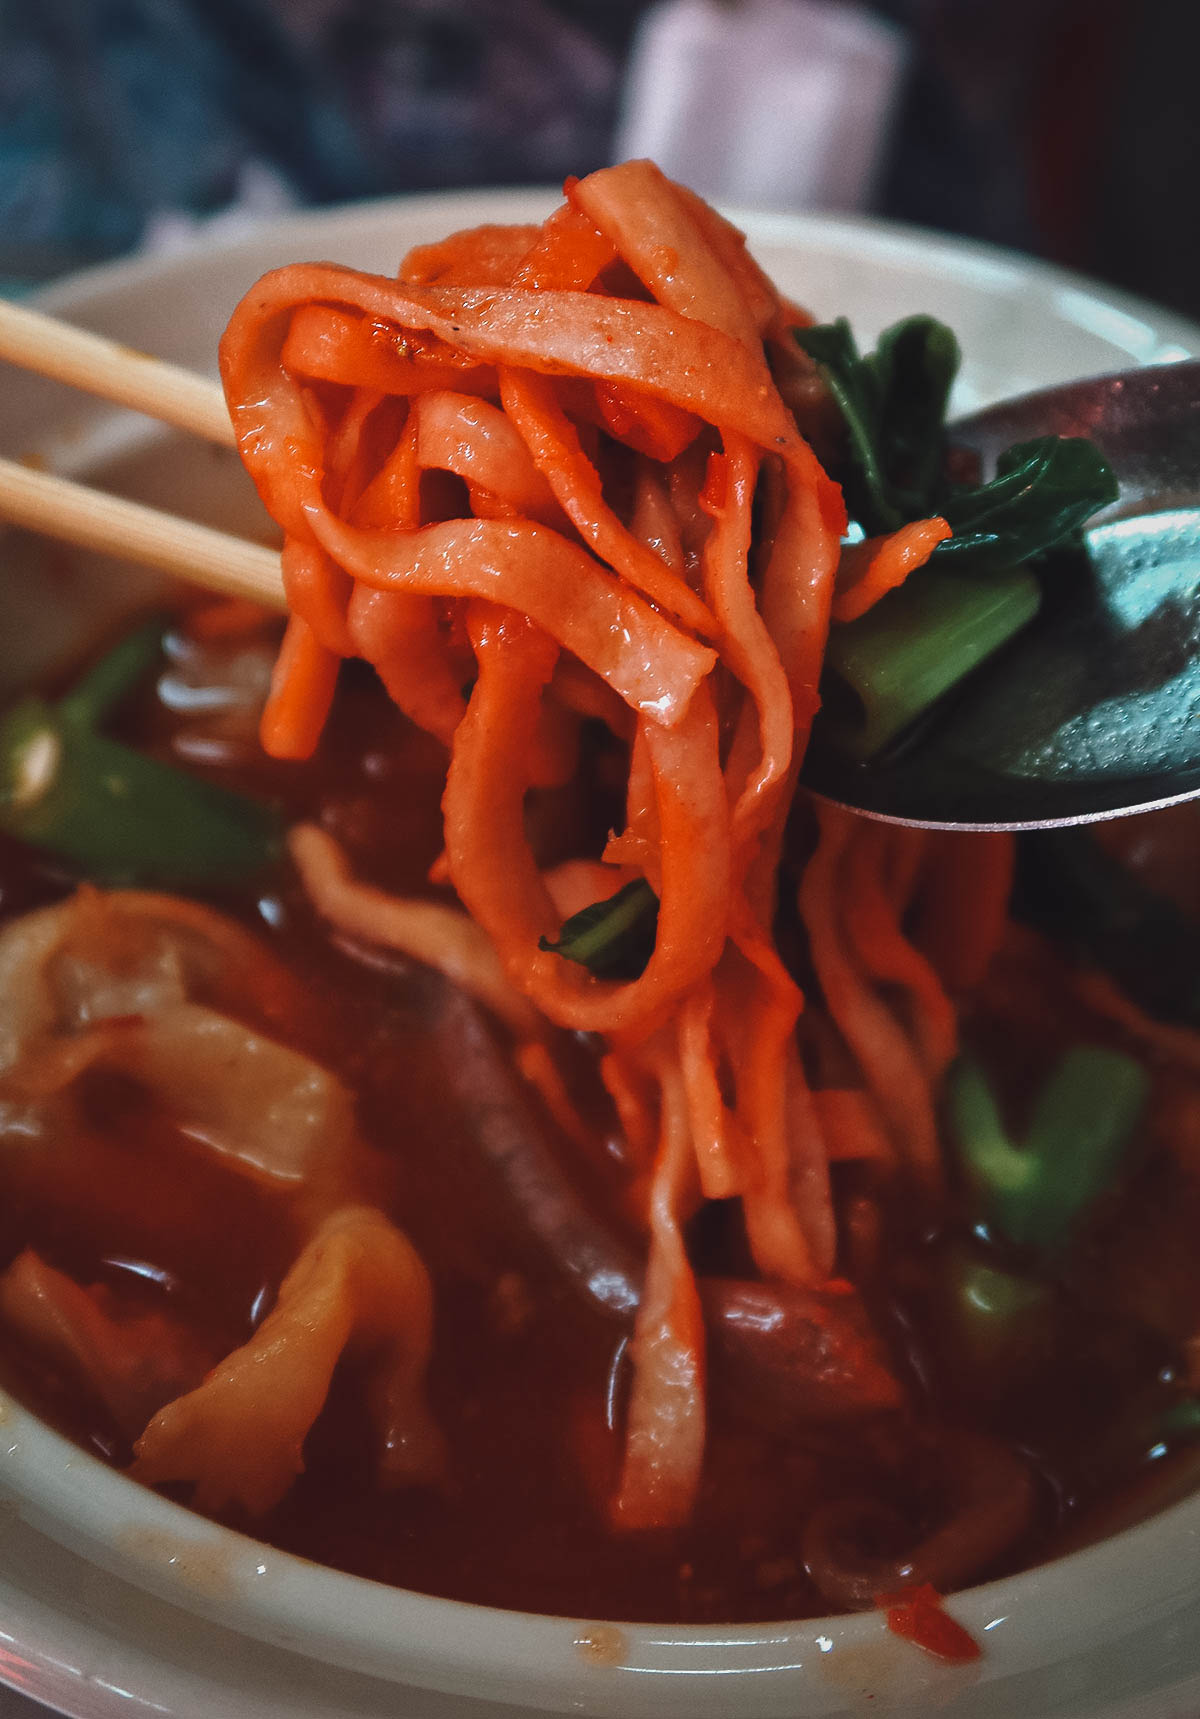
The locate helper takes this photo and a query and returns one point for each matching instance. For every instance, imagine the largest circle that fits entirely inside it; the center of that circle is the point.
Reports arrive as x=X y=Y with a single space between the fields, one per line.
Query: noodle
x=664 y=612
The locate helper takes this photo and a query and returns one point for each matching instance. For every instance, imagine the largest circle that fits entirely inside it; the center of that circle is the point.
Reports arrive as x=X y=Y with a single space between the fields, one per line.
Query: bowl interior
x=1097 y=1627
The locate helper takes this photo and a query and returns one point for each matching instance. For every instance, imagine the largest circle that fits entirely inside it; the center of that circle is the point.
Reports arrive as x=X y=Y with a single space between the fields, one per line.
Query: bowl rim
x=564 y=1661
x=1162 y=327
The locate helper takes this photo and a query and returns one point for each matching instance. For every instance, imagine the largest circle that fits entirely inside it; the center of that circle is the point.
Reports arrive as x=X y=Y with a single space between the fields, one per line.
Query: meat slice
x=792 y=1356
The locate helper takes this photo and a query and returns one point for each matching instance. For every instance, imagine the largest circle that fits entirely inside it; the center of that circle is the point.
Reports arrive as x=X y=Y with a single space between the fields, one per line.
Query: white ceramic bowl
x=113 y=1600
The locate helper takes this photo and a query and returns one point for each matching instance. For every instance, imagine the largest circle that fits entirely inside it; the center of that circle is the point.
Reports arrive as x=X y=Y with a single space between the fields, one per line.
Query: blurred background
x=1067 y=128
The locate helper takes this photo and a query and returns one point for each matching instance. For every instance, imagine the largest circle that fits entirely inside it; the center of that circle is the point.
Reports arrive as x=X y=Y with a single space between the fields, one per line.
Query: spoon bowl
x=1093 y=710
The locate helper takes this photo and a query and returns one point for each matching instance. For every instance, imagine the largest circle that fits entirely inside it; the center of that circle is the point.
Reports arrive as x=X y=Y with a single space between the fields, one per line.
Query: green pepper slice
x=1084 y=1119
x=119 y=816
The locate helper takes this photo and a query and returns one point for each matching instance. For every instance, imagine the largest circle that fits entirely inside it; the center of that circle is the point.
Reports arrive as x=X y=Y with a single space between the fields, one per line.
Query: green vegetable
x=111 y=679
x=1082 y=1123
x=119 y=816
x=893 y=405
x=613 y=939
x=993 y=1295
x=1068 y=886
x=916 y=361
x=1000 y=1315
x=1180 y=1421
x=1043 y=492
x=907 y=652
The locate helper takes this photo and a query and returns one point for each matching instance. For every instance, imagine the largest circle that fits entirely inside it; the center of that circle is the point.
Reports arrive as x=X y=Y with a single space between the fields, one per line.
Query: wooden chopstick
x=114 y=372
x=113 y=525
x=92 y=519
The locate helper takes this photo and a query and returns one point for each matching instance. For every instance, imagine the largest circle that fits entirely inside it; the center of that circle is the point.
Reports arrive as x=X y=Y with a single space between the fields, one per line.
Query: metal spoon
x=1093 y=711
